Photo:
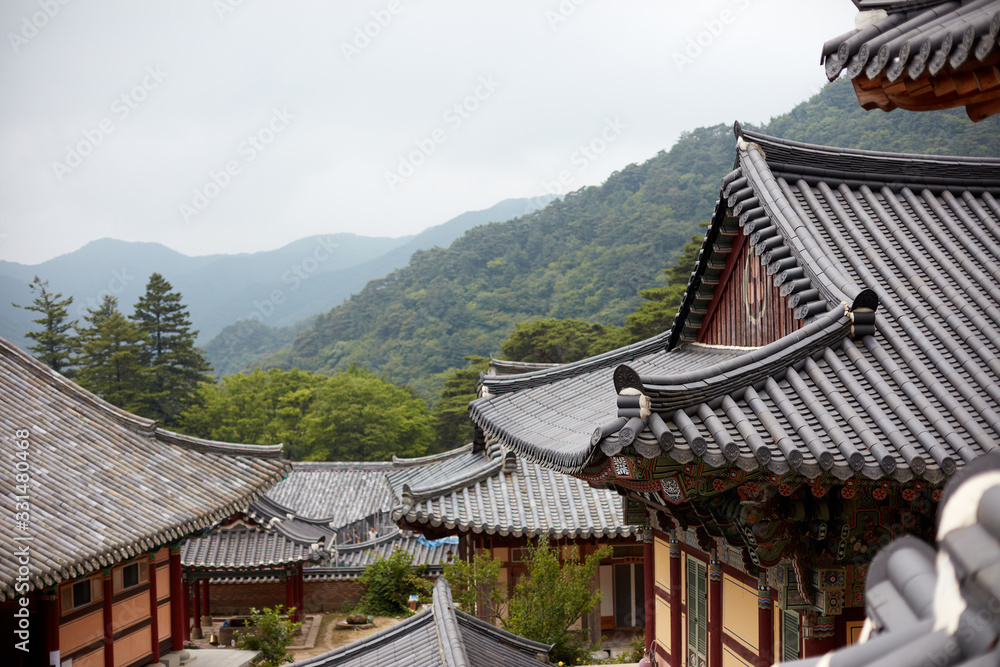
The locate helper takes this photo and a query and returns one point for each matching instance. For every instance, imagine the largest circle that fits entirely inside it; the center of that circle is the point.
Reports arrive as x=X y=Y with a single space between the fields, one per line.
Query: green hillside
x=587 y=255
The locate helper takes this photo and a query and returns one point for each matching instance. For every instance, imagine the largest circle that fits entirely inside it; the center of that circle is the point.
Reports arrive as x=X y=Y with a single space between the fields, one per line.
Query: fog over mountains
x=279 y=287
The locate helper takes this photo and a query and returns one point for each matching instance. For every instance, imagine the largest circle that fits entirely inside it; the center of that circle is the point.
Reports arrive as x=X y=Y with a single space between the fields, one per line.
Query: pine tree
x=174 y=367
x=54 y=346
x=109 y=358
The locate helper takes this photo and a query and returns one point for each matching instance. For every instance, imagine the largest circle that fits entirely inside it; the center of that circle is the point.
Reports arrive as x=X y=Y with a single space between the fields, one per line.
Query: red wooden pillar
x=648 y=578
x=109 y=634
x=51 y=600
x=205 y=606
x=176 y=600
x=765 y=622
x=186 y=606
x=154 y=611
x=300 y=588
x=290 y=589
x=196 y=620
x=676 y=651
x=714 y=610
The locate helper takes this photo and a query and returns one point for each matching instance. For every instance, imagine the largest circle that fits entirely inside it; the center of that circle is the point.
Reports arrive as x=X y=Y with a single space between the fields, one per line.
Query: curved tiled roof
x=913 y=237
x=107 y=485
x=241 y=547
x=441 y=636
x=495 y=494
x=928 y=54
x=334 y=493
x=937 y=606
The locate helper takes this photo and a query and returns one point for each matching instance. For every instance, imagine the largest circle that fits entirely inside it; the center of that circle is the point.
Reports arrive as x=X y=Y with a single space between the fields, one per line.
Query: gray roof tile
x=107 y=485
x=918 y=395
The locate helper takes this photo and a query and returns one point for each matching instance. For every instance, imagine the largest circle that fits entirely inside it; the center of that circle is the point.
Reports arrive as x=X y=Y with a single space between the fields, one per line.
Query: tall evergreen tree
x=174 y=366
x=109 y=357
x=54 y=345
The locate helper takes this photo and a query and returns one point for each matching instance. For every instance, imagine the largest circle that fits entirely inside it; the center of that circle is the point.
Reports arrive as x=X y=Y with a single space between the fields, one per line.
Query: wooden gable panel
x=746 y=310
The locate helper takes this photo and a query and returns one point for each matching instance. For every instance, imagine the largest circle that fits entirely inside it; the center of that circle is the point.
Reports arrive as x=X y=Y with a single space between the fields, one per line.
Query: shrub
x=271 y=634
x=551 y=597
x=389 y=582
x=474 y=586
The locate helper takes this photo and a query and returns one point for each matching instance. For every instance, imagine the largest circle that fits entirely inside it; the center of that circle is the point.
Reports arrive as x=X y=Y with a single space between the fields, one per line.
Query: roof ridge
x=411 y=496
x=501 y=634
x=133 y=422
x=450 y=642
x=398 y=462
x=319 y=466
x=508 y=383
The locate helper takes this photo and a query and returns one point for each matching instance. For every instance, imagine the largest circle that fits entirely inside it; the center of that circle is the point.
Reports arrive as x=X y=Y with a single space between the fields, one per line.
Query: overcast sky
x=242 y=125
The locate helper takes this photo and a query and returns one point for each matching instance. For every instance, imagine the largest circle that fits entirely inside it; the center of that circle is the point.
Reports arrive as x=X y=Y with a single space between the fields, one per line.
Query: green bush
x=271 y=634
x=551 y=597
x=389 y=582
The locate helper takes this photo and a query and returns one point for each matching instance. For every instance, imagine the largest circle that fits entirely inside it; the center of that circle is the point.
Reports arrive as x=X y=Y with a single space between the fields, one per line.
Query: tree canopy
x=174 y=366
x=352 y=415
x=54 y=344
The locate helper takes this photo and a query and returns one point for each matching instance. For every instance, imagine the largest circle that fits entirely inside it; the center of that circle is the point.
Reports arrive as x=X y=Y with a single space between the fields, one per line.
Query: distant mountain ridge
x=278 y=287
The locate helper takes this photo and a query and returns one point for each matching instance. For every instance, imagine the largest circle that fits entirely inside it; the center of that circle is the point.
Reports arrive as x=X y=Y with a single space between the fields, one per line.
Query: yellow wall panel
x=77 y=634
x=739 y=611
x=131 y=647
x=93 y=659
x=663 y=623
x=130 y=611
x=163 y=621
x=162 y=583
x=661 y=563
x=730 y=659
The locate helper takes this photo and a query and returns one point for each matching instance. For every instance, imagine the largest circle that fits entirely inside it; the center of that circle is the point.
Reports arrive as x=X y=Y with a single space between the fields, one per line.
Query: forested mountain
x=586 y=255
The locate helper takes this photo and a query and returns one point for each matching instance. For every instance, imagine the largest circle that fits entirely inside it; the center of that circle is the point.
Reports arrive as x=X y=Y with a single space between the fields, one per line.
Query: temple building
x=497 y=501
x=834 y=361
x=304 y=543
x=99 y=503
x=921 y=55
x=936 y=605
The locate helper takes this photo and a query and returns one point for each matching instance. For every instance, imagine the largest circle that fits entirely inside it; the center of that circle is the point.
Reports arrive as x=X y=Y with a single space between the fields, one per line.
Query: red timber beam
x=109 y=633
x=648 y=592
x=676 y=654
x=714 y=610
x=177 y=614
x=765 y=622
x=154 y=611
